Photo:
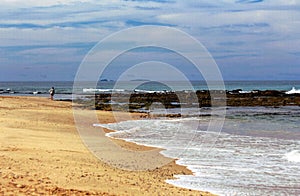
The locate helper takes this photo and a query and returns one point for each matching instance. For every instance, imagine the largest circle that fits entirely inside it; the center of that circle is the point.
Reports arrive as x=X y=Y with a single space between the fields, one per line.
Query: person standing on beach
x=52 y=92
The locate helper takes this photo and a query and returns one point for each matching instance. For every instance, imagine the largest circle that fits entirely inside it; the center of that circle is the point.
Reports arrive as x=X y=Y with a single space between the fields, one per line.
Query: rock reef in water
x=203 y=98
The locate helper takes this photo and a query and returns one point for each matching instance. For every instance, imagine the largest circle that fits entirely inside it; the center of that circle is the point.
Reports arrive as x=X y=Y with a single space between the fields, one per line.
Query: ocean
x=66 y=87
x=257 y=151
x=40 y=89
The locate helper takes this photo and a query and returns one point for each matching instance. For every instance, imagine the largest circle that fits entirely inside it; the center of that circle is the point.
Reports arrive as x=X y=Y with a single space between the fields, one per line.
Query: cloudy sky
x=249 y=39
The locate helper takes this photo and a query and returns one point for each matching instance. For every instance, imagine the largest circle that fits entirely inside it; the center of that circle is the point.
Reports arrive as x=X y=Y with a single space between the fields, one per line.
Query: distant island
x=106 y=80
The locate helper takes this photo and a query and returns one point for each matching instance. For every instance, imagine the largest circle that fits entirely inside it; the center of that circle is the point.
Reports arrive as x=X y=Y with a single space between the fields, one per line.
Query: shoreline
x=42 y=153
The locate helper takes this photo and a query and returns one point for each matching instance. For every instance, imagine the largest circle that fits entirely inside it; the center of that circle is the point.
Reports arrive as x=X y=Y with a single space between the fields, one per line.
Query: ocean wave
x=93 y=90
x=149 y=91
x=293 y=91
x=246 y=92
x=293 y=156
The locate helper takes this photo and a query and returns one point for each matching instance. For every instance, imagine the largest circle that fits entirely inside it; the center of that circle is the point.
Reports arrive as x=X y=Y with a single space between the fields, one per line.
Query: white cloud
x=282 y=2
x=267 y=27
x=34 y=3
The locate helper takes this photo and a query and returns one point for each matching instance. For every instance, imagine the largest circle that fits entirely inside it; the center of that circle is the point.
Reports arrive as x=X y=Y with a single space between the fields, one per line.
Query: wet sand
x=41 y=153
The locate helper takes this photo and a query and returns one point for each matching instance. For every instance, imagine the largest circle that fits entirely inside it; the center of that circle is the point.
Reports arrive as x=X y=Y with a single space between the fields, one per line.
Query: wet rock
x=202 y=98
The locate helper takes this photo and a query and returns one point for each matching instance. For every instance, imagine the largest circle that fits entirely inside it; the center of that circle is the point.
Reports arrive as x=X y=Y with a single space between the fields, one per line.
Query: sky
x=248 y=39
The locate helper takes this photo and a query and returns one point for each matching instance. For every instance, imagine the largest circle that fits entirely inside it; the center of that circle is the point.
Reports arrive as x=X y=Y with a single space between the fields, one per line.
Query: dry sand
x=41 y=153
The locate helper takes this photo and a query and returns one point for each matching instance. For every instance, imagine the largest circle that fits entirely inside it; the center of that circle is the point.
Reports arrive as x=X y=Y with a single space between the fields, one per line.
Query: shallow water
x=256 y=153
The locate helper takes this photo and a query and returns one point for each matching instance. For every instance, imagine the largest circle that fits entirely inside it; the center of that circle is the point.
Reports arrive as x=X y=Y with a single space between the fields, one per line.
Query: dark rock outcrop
x=203 y=98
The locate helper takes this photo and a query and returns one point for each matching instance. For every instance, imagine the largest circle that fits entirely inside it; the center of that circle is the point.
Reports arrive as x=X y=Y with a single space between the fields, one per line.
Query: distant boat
x=293 y=91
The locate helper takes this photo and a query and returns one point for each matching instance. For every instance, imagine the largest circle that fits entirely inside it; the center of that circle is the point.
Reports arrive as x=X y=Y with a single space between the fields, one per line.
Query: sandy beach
x=41 y=153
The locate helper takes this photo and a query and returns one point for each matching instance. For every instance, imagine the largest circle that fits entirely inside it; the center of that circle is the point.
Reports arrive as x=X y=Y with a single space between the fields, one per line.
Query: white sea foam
x=148 y=91
x=293 y=91
x=293 y=156
x=245 y=92
x=93 y=90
